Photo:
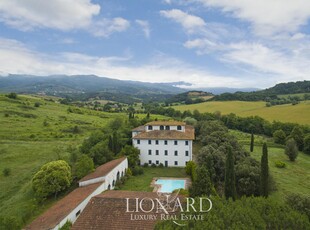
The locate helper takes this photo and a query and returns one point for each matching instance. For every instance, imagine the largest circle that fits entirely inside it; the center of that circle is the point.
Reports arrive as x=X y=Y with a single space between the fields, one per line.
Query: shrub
x=153 y=165
x=6 y=115
x=128 y=172
x=66 y=226
x=307 y=144
x=161 y=165
x=279 y=137
x=12 y=95
x=37 y=104
x=6 y=172
x=299 y=203
x=280 y=164
x=137 y=171
x=146 y=165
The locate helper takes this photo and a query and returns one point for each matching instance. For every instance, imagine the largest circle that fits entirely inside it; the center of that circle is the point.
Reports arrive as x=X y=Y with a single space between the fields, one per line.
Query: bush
x=128 y=172
x=279 y=137
x=153 y=165
x=137 y=171
x=6 y=172
x=190 y=168
x=161 y=165
x=12 y=95
x=6 y=115
x=307 y=144
x=145 y=165
x=37 y=104
x=280 y=164
x=66 y=226
x=299 y=203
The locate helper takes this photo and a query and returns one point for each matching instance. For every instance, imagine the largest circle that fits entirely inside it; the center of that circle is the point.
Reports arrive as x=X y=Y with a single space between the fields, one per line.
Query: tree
x=132 y=154
x=264 y=175
x=12 y=95
x=230 y=185
x=252 y=143
x=189 y=169
x=307 y=144
x=298 y=136
x=83 y=166
x=291 y=149
x=279 y=137
x=100 y=153
x=52 y=178
x=202 y=185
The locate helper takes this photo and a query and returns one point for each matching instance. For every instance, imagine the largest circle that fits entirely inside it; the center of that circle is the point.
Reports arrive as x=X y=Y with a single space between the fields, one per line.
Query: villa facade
x=164 y=142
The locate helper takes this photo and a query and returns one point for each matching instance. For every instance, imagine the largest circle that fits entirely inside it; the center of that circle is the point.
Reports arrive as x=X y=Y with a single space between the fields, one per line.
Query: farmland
x=299 y=113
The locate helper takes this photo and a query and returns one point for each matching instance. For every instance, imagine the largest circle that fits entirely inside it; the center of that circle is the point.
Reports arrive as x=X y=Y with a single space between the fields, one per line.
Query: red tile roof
x=108 y=211
x=189 y=134
x=156 y=123
x=54 y=215
x=139 y=128
x=103 y=170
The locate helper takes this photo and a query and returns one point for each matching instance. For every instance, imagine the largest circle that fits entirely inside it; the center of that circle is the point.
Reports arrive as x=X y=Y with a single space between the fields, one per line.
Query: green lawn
x=292 y=179
x=142 y=182
x=286 y=113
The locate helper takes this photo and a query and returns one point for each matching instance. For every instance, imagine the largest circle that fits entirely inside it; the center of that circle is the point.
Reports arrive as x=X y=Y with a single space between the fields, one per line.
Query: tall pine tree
x=252 y=143
x=264 y=175
x=230 y=184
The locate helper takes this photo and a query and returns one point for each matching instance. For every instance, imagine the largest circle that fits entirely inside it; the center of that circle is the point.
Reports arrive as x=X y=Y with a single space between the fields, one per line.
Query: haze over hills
x=60 y=85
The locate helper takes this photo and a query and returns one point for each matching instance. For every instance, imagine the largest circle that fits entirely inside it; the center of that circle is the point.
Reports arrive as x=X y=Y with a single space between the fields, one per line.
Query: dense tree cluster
x=245 y=213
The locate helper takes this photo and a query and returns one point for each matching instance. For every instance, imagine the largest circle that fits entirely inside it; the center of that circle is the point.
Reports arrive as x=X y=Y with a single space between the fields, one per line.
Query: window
x=157 y=152
x=156 y=142
x=175 y=153
x=186 y=142
x=175 y=142
x=161 y=127
x=150 y=127
x=150 y=142
x=167 y=127
x=175 y=163
x=157 y=162
x=150 y=152
x=138 y=142
x=166 y=152
x=166 y=142
x=179 y=127
x=186 y=153
x=78 y=213
x=150 y=162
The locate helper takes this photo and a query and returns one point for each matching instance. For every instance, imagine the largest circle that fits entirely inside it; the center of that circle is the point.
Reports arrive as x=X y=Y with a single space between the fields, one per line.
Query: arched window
x=179 y=127
x=113 y=183
x=161 y=127
x=117 y=176
x=150 y=127
x=167 y=127
x=109 y=187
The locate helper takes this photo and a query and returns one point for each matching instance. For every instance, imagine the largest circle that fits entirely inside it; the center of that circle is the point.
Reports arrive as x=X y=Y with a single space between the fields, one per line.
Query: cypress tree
x=252 y=143
x=230 y=184
x=264 y=175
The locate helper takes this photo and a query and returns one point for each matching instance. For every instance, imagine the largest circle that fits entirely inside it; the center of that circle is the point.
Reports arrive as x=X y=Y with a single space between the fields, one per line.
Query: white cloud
x=145 y=27
x=105 y=27
x=15 y=57
x=56 y=14
x=267 y=17
x=265 y=60
x=191 y=23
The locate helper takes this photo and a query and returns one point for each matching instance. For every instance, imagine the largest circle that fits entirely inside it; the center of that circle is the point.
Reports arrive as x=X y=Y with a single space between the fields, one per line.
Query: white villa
x=166 y=142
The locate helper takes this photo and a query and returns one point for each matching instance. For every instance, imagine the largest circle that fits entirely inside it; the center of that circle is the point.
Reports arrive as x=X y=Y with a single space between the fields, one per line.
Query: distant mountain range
x=83 y=87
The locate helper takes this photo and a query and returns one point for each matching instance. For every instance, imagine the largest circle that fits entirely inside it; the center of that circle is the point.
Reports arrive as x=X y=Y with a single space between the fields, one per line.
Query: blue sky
x=209 y=43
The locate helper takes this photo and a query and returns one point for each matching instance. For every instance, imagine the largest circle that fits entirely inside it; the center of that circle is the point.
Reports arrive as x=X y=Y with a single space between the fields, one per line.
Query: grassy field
x=286 y=113
x=32 y=136
x=142 y=182
x=293 y=178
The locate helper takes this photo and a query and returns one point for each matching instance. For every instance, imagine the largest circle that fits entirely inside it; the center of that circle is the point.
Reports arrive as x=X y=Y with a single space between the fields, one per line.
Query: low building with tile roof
x=166 y=142
x=115 y=210
x=71 y=206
